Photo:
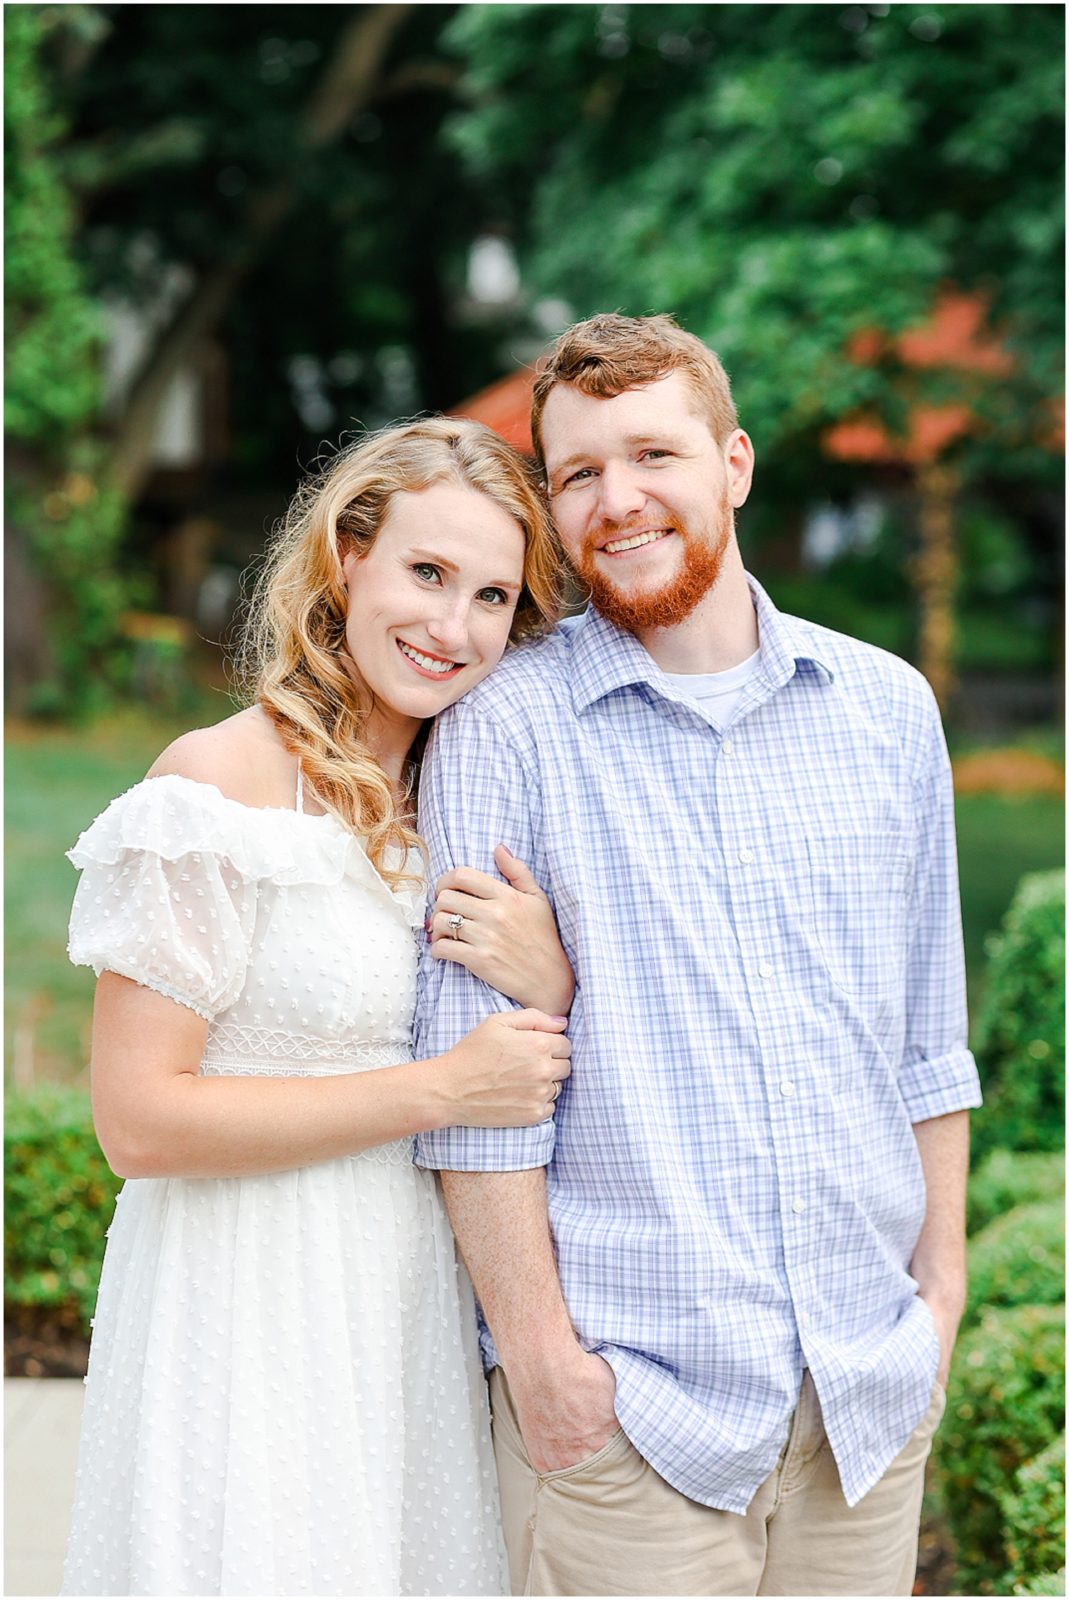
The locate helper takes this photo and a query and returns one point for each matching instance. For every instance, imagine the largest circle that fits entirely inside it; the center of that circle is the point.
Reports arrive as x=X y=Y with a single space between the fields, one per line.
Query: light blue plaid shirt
x=765 y=930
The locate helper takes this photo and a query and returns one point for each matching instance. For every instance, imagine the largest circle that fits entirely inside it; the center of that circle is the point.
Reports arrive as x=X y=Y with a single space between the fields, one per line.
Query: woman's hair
x=608 y=354
x=292 y=657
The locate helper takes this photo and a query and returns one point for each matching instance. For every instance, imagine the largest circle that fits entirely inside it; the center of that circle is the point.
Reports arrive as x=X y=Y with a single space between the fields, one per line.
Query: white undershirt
x=716 y=694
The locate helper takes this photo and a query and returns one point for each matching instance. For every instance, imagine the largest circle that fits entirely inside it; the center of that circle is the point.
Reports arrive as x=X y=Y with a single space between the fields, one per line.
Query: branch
x=347 y=85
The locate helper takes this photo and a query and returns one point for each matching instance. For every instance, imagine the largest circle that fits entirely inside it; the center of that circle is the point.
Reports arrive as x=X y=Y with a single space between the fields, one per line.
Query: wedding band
x=456 y=922
x=556 y=1088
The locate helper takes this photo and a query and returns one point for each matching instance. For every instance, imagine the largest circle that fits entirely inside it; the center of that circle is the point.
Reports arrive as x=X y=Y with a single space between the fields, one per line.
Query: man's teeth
x=637 y=539
x=428 y=663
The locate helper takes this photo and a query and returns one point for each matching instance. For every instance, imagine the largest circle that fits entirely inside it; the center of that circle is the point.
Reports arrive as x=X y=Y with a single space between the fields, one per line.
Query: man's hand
x=946 y=1315
x=565 y=1410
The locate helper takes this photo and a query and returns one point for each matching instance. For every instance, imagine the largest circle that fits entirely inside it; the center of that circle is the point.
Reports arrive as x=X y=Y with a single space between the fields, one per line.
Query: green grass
x=999 y=839
x=59 y=778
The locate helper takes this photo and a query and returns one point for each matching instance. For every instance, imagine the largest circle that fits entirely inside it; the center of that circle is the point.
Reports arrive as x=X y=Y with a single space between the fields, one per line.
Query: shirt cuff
x=937 y=1086
x=486 y=1149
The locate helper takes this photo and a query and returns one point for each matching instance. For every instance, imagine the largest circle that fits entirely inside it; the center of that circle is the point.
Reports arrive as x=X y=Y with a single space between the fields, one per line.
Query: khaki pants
x=613 y=1526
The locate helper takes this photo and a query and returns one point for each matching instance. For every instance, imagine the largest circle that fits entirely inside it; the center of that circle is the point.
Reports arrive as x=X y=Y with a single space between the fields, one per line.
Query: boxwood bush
x=1017 y=1260
x=1034 y=1509
x=59 y=1195
x=1020 y=1034
x=1005 y=1406
x=1008 y=1178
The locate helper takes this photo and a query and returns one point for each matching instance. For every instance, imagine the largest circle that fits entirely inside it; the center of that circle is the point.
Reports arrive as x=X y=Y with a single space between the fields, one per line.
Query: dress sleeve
x=163 y=899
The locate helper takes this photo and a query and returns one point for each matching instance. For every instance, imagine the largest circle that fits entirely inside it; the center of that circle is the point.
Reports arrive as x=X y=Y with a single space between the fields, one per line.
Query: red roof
x=505 y=407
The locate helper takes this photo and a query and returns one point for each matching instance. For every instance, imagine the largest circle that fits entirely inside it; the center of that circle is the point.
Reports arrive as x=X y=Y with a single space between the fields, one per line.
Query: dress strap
x=300 y=787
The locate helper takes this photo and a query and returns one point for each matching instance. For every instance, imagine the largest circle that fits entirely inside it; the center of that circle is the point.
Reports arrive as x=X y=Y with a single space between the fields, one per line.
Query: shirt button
x=728 y=746
x=765 y=969
x=798 y=1206
x=787 y=1088
x=746 y=856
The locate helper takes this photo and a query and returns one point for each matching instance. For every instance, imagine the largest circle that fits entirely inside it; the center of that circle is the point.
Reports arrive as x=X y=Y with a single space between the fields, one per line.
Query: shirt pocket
x=860 y=885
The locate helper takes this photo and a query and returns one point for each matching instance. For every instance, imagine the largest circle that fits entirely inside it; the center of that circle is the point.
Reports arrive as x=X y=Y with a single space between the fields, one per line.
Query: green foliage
x=59 y=506
x=797 y=173
x=1045 y=1583
x=1009 y=1178
x=1020 y=1035
x=1018 y=1259
x=1034 y=1513
x=59 y=1195
x=1004 y=1406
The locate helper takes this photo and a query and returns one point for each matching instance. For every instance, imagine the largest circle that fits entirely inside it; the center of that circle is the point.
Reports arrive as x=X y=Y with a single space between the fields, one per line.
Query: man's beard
x=673 y=602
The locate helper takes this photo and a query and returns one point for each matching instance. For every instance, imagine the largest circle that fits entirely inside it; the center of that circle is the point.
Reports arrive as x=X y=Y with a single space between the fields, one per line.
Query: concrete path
x=41 y=1421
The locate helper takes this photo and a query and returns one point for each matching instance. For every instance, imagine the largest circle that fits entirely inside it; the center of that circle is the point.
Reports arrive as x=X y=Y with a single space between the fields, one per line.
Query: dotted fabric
x=284 y=1391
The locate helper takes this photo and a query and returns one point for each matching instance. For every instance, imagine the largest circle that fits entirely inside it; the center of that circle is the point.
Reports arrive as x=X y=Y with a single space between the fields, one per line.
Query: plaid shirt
x=765 y=930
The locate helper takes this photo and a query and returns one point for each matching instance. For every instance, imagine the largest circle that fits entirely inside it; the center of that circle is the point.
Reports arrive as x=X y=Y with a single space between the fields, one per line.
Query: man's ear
x=739 y=466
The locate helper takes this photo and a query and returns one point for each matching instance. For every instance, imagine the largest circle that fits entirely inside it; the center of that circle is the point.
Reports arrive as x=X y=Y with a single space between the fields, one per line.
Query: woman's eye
x=424 y=570
x=493 y=597
x=655 y=455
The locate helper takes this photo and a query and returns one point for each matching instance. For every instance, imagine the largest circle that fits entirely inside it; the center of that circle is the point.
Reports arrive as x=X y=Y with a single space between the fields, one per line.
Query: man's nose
x=620 y=494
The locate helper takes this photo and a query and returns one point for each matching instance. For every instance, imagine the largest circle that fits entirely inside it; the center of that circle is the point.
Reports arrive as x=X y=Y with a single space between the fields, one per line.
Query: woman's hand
x=508 y=936
x=506 y=1073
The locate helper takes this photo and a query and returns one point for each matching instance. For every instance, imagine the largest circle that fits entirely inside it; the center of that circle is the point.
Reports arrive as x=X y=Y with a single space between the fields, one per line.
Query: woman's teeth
x=428 y=663
x=637 y=539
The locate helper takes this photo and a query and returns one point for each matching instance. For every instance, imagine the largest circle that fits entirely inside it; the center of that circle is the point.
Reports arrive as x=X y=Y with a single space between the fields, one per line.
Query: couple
x=720 y=1276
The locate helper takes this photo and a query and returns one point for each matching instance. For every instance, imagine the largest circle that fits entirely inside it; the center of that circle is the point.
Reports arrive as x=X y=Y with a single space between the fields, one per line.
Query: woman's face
x=432 y=601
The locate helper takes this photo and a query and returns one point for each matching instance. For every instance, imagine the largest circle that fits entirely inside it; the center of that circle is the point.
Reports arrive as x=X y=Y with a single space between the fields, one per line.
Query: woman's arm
x=508 y=936
x=156 y=1117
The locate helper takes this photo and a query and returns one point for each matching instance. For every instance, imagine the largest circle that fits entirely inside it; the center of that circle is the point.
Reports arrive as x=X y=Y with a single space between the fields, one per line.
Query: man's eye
x=577 y=477
x=655 y=455
x=424 y=570
x=493 y=597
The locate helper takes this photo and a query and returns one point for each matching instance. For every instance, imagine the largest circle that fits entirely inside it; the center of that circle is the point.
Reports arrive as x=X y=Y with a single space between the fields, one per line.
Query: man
x=721 y=1287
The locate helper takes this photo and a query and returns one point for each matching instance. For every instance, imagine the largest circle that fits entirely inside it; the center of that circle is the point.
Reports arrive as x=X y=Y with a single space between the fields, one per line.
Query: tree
x=61 y=597
x=783 y=177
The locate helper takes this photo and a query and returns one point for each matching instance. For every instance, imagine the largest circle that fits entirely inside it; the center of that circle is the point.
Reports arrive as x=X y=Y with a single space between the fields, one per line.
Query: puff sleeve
x=166 y=897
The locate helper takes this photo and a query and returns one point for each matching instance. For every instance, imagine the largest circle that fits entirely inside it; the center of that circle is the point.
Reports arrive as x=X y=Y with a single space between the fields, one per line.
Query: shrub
x=1034 y=1511
x=1017 y=1259
x=1020 y=1036
x=1045 y=1583
x=1009 y=1178
x=1004 y=1406
x=59 y=1195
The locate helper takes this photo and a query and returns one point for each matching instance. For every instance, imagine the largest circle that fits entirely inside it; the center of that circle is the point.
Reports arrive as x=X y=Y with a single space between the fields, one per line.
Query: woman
x=284 y=1393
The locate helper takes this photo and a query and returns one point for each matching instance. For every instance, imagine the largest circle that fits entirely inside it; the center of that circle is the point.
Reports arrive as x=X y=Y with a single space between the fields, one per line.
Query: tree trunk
x=349 y=82
x=935 y=574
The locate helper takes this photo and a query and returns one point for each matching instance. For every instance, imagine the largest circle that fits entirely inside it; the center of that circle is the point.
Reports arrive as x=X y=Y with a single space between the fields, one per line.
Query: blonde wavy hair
x=292 y=658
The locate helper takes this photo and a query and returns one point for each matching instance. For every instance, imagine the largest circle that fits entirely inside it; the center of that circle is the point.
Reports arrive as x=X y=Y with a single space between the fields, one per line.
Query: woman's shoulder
x=226 y=796
x=242 y=757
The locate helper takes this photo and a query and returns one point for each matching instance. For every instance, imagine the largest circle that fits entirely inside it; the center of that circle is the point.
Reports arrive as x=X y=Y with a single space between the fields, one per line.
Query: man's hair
x=606 y=355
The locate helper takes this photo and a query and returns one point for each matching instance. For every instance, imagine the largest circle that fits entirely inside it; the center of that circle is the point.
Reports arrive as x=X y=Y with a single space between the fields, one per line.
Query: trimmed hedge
x=1034 y=1509
x=1020 y=1034
x=1009 y=1178
x=1018 y=1260
x=59 y=1195
x=1005 y=1405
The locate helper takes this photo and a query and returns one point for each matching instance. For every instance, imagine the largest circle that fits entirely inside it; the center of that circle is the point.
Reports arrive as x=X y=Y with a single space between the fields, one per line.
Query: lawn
x=59 y=778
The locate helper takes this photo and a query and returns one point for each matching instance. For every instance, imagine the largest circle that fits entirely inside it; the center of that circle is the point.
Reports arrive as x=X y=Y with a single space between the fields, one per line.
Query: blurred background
x=237 y=234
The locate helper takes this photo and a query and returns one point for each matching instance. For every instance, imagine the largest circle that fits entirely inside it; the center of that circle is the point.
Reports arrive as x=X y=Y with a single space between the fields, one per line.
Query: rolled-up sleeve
x=938 y=1073
x=475 y=793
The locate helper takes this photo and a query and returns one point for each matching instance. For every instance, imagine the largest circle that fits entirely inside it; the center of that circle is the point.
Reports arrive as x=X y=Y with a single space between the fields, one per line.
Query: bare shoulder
x=242 y=756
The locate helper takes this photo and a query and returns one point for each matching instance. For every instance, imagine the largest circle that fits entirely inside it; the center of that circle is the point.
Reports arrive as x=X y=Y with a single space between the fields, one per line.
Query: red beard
x=640 y=609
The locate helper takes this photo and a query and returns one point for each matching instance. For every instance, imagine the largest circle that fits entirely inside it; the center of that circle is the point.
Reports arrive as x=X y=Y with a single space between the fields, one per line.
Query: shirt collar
x=605 y=657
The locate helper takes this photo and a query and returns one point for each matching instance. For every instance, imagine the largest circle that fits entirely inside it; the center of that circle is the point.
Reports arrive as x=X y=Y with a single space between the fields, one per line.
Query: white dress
x=284 y=1392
